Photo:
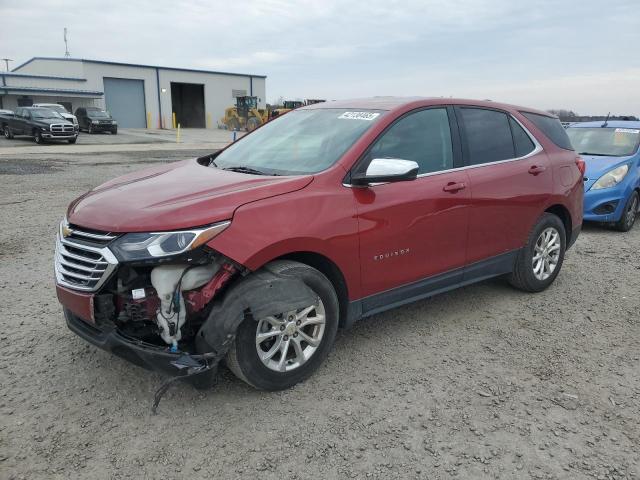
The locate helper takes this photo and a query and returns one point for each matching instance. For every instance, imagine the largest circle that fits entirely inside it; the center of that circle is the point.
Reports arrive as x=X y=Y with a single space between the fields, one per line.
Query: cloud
x=338 y=48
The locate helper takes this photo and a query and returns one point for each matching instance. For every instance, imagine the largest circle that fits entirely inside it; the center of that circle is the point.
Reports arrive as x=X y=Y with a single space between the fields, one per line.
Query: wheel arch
x=330 y=270
x=563 y=213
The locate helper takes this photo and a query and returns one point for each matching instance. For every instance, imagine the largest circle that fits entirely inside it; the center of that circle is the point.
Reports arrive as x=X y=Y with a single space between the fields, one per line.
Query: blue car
x=612 y=177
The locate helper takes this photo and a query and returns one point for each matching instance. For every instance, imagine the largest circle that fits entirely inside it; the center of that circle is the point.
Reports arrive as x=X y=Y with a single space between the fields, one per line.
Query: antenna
x=66 y=44
x=606 y=120
x=6 y=62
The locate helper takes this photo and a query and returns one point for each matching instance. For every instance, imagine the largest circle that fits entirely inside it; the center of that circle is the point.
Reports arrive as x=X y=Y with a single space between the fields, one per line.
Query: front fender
x=257 y=295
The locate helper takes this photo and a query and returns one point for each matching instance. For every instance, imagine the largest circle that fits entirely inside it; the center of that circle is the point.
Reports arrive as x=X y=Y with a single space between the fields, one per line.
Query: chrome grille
x=92 y=237
x=82 y=259
x=62 y=128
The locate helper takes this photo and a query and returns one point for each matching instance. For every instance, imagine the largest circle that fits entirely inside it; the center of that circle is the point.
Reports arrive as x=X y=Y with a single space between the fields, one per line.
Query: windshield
x=300 y=142
x=98 y=114
x=610 y=142
x=44 y=113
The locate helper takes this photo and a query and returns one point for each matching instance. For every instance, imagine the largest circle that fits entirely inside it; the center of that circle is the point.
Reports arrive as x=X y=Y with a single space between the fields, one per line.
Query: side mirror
x=382 y=170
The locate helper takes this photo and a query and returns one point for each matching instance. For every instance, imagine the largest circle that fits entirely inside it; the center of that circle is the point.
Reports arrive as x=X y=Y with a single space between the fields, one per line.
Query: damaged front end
x=144 y=297
x=161 y=303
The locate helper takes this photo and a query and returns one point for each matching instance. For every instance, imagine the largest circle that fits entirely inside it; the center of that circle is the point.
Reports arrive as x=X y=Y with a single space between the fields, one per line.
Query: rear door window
x=521 y=140
x=423 y=136
x=488 y=135
x=552 y=128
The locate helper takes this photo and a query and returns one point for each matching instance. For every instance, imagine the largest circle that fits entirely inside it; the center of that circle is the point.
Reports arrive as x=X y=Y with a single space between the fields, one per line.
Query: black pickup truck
x=40 y=123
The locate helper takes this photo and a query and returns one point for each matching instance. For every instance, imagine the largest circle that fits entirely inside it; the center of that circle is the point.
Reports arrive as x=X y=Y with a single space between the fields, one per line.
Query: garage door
x=125 y=100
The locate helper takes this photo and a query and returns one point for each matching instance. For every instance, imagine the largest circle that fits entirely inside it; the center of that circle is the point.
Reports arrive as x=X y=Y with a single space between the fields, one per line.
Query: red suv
x=256 y=254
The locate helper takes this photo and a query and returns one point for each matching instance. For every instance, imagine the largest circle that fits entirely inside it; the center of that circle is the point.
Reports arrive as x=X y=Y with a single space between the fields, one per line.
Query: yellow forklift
x=245 y=115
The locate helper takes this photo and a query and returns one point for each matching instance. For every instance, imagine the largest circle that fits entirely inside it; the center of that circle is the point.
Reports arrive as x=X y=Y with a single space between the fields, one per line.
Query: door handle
x=536 y=169
x=454 y=187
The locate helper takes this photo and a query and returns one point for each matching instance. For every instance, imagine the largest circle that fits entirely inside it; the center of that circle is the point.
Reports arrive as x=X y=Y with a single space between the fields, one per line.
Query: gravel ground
x=483 y=382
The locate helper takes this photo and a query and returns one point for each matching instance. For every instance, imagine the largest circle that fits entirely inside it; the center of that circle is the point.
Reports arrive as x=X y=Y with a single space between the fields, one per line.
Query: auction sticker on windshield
x=368 y=116
x=625 y=136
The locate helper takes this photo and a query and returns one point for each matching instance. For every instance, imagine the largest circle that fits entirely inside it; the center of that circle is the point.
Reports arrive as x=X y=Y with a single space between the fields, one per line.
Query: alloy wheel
x=546 y=253
x=632 y=211
x=286 y=341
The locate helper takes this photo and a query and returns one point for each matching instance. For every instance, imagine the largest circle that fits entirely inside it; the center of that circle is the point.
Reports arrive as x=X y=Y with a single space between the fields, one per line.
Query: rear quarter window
x=521 y=140
x=552 y=128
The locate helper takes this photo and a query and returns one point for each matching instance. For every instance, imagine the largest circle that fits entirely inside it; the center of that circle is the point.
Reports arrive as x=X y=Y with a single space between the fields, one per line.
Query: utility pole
x=66 y=44
x=6 y=62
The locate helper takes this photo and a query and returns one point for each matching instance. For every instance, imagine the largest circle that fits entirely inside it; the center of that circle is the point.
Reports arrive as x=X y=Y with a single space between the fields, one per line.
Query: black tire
x=114 y=131
x=234 y=125
x=252 y=124
x=90 y=128
x=37 y=137
x=73 y=140
x=629 y=214
x=8 y=134
x=242 y=359
x=523 y=277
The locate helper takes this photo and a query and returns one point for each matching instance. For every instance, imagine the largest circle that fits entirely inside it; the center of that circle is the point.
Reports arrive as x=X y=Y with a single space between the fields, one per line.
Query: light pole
x=6 y=62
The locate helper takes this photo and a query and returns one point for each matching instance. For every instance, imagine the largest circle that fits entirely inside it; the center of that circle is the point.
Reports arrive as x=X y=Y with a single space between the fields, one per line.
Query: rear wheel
x=279 y=351
x=629 y=214
x=540 y=260
x=8 y=134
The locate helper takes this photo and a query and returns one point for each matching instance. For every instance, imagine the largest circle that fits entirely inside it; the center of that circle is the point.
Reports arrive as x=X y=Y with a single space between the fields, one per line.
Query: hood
x=598 y=166
x=174 y=196
x=45 y=122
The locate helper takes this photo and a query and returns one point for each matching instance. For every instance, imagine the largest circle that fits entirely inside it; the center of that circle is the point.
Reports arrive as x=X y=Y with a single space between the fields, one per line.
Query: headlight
x=75 y=121
x=113 y=122
x=611 y=178
x=141 y=246
x=95 y=121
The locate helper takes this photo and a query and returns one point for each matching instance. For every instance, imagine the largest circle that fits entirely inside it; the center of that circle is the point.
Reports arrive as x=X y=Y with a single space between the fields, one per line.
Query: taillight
x=581 y=165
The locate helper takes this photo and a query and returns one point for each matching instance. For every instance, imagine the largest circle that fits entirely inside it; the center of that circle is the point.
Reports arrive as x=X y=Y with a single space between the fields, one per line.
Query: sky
x=562 y=54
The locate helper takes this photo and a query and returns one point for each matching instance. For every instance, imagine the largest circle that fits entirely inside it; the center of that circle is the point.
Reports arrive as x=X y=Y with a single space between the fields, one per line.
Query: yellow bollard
x=148 y=119
x=178 y=134
x=174 y=119
x=208 y=120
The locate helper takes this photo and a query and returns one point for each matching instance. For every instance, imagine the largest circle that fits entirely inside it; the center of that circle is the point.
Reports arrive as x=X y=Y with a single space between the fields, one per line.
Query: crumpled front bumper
x=261 y=294
x=145 y=355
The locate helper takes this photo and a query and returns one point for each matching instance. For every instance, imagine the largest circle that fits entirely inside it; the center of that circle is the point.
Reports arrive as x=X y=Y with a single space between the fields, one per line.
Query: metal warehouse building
x=137 y=96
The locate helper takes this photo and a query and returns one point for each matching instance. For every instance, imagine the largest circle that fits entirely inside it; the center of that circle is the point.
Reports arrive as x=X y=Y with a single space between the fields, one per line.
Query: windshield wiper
x=595 y=154
x=249 y=170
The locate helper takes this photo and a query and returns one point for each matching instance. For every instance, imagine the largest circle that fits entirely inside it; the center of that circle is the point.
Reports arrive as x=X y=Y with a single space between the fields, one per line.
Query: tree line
x=571 y=116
